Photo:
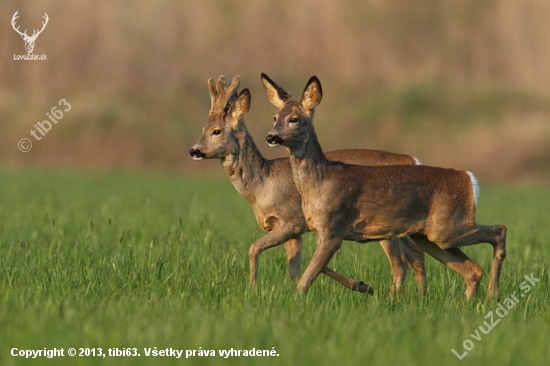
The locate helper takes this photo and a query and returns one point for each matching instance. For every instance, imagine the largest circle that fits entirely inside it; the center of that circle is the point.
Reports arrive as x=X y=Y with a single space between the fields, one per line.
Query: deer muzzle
x=196 y=154
x=273 y=140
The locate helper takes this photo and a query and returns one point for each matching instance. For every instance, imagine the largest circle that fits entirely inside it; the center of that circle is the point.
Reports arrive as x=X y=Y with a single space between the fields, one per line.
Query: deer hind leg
x=456 y=260
x=327 y=245
x=417 y=260
x=496 y=236
x=499 y=254
x=396 y=256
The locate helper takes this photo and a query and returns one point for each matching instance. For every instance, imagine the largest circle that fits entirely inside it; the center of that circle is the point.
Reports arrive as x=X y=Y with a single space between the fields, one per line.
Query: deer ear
x=313 y=93
x=276 y=95
x=240 y=107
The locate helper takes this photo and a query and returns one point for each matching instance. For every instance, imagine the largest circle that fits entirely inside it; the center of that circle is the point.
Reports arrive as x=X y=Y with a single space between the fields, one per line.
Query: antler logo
x=29 y=41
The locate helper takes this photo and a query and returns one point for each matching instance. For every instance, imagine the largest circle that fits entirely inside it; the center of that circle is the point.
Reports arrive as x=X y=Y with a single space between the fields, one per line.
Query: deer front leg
x=272 y=239
x=353 y=285
x=327 y=244
x=293 y=248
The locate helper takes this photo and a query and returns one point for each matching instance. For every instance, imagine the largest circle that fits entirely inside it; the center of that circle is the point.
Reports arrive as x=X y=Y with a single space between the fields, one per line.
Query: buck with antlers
x=29 y=40
x=268 y=187
x=435 y=206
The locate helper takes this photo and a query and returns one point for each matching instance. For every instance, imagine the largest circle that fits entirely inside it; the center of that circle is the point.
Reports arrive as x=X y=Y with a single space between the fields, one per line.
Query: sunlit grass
x=150 y=260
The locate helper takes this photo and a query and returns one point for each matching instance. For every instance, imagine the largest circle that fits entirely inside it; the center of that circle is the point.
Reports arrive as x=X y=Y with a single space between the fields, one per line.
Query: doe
x=435 y=206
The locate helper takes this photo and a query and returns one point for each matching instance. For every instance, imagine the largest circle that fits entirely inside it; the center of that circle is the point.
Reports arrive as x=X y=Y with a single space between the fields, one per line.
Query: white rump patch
x=416 y=161
x=475 y=187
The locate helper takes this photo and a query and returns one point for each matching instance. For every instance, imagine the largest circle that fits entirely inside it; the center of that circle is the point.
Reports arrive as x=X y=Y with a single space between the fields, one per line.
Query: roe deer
x=269 y=188
x=435 y=206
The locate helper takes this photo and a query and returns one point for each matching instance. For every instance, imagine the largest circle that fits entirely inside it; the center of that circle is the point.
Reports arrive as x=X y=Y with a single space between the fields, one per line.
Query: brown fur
x=364 y=203
x=269 y=188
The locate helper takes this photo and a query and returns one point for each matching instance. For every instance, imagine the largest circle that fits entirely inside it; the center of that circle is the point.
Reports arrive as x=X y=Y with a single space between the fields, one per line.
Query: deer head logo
x=29 y=40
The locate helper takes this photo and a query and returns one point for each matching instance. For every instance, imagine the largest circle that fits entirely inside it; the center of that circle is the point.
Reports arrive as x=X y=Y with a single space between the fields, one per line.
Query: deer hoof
x=363 y=287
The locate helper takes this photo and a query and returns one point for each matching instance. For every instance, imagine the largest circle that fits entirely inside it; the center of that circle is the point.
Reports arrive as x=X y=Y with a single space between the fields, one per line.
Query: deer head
x=29 y=40
x=224 y=119
x=292 y=125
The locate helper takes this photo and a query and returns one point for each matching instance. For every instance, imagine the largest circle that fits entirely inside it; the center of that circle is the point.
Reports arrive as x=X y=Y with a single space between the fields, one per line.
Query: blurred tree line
x=395 y=70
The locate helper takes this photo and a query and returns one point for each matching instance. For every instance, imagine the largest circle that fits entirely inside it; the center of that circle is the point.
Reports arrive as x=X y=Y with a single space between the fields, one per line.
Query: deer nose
x=197 y=154
x=273 y=140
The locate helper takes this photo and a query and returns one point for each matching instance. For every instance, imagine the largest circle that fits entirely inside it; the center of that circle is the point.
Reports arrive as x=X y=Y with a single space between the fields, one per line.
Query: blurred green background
x=461 y=84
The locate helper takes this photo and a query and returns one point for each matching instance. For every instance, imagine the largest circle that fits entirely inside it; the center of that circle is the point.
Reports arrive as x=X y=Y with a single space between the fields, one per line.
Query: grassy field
x=131 y=260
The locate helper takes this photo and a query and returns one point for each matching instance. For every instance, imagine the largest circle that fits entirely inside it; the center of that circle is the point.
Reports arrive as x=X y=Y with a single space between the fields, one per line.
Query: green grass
x=150 y=260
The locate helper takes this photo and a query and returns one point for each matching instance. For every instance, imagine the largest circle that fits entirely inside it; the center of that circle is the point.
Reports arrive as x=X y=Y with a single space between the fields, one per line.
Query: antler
x=220 y=96
x=24 y=34
x=34 y=35
x=13 y=19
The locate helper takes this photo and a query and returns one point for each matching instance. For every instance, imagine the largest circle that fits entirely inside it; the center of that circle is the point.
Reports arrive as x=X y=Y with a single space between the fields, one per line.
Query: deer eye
x=216 y=132
x=293 y=120
x=274 y=119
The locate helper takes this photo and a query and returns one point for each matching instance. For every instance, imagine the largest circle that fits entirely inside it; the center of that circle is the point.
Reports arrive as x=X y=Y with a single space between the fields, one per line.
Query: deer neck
x=245 y=165
x=308 y=161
